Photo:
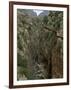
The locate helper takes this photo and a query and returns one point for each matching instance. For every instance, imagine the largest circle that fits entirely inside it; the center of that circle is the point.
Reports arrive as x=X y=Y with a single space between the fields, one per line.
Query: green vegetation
x=39 y=44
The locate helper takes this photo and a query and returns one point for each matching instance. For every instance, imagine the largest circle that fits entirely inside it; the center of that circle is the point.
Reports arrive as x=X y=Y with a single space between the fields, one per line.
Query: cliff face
x=57 y=60
x=39 y=46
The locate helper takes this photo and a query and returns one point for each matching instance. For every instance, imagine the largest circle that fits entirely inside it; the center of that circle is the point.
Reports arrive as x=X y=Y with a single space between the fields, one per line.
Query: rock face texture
x=39 y=45
x=57 y=60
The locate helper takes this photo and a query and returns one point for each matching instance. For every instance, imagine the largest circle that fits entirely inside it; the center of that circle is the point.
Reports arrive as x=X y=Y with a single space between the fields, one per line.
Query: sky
x=38 y=11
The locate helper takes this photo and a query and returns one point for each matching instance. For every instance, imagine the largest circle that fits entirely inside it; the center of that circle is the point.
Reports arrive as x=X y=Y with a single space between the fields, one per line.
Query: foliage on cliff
x=39 y=44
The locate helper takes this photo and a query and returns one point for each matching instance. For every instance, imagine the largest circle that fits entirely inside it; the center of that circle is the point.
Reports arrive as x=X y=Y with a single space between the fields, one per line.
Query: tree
x=54 y=20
